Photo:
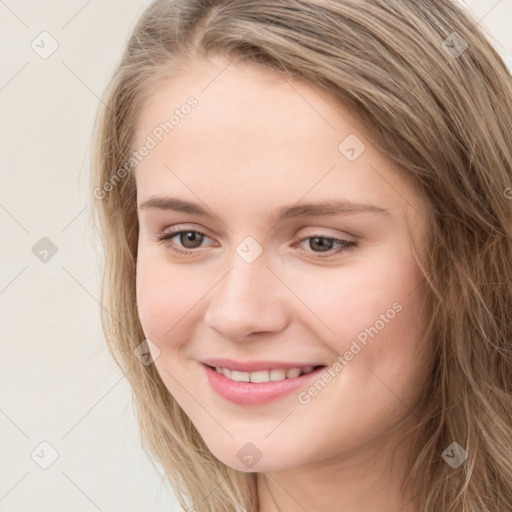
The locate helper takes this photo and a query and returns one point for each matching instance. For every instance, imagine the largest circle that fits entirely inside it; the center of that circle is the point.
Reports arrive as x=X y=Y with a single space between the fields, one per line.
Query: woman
x=340 y=338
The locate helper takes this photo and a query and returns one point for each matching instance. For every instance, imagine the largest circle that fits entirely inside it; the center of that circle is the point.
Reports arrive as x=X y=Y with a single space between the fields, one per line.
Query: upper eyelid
x=320 y=232
x=180 y=230
x=177 y=231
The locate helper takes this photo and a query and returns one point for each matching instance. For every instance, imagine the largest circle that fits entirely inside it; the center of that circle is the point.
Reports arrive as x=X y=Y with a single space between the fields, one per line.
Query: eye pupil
x=322 y=246
x=190 y=236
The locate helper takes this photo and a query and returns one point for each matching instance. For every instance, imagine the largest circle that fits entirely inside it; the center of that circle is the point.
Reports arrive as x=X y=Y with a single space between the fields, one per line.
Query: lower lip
x=251 y=393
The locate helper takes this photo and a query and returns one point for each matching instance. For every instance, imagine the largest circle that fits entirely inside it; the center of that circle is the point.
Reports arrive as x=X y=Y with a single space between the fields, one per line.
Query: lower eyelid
x=342 y=244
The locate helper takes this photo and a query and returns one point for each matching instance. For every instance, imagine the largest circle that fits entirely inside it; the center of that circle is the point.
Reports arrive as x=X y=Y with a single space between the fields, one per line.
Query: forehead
x=250 y=109
x=254 y=131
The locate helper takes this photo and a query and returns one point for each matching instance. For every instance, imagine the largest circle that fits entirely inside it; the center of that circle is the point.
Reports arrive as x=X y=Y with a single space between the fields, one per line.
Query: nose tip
x=247 y=300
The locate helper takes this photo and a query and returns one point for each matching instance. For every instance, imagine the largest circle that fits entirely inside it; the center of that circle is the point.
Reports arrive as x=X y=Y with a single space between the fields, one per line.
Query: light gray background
x=57 y=381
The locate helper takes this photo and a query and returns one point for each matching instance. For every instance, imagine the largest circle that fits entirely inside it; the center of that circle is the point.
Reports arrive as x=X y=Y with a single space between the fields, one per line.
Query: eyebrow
x=319 y=209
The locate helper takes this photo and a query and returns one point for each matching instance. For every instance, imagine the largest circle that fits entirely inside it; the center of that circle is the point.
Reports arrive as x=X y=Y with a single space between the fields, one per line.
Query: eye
x=326 y=249
x=192 y=239
x=189 y=238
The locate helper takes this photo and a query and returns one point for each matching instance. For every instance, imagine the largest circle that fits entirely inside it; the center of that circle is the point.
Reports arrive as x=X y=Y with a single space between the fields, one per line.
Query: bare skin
x=256 y=143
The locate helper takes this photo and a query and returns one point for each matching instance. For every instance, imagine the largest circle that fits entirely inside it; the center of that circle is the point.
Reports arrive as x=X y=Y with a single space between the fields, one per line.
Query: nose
x=249 y=299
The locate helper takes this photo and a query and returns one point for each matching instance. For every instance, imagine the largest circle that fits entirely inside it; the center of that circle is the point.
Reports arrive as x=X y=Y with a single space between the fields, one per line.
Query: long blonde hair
x=436 y=99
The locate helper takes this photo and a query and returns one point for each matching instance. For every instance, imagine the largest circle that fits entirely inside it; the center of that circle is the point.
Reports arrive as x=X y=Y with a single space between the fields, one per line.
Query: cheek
x=345 y=302
x=370 y=316
x=163 y=297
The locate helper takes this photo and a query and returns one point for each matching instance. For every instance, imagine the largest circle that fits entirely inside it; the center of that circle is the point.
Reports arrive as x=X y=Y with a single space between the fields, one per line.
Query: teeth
x=292 y=373
x=275 y=375
x=264 y=375
x=240 y=376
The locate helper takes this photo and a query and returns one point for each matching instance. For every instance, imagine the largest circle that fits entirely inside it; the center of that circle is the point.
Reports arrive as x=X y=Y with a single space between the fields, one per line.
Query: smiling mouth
x=261 y=376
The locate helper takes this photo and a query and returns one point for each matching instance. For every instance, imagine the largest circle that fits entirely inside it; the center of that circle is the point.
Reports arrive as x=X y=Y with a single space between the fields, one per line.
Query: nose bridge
x=247 y=299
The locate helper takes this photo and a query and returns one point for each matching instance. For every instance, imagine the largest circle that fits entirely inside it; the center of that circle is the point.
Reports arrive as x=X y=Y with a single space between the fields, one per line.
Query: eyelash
x=346 y=246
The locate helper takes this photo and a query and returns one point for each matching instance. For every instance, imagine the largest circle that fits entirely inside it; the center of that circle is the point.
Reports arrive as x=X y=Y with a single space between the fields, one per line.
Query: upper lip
x=254 y=366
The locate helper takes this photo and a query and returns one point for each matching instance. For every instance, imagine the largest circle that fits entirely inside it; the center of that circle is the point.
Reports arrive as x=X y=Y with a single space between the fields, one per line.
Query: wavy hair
x=435 y=98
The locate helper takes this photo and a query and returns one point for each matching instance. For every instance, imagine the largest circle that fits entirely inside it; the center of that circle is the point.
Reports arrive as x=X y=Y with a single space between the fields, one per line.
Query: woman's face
x=296 y=255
